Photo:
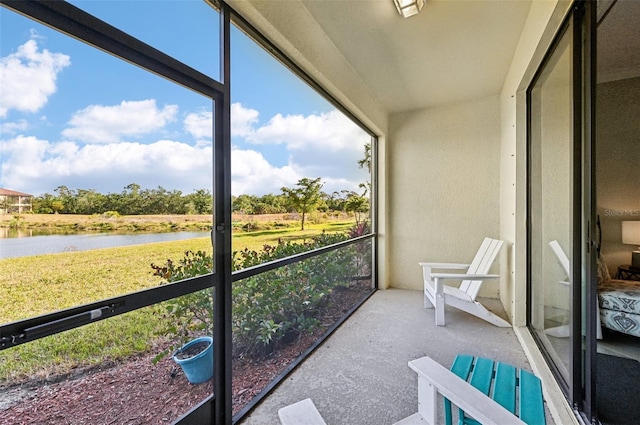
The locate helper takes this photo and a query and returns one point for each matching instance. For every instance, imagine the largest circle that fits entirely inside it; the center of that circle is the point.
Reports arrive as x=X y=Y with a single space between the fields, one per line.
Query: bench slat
x=481 y=378
x=461 y=366
x=504 y=389
x=531 y=401
x=482 y=375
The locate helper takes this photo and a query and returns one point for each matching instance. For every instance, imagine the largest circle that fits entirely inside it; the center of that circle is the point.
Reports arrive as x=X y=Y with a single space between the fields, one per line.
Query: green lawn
x=256 y=240
x=39 y=284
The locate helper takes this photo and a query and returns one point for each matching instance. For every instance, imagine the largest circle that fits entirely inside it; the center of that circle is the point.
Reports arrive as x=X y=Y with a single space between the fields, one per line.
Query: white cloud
x=28 y=77
x=199 y=125
x=108 y=124
x=330 y=130
x=29 y=162
x=242 y=120
x=14 y=127
x=326 y=145
x=252 y=174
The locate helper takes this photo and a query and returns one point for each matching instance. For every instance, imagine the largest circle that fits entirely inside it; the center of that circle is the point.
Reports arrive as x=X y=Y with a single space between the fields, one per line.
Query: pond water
x=28 y=243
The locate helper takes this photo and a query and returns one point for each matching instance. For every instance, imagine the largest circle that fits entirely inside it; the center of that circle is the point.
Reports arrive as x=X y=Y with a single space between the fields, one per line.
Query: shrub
x=267 y=307
x=15 y=221
x=363 y=248
x=284 y=302
x=189 y=315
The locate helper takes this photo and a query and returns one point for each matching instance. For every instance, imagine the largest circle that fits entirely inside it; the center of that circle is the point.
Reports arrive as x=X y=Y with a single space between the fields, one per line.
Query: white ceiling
x=451 y=51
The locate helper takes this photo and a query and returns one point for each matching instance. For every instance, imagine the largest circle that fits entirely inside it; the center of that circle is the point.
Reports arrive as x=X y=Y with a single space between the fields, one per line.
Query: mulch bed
x=139 y=392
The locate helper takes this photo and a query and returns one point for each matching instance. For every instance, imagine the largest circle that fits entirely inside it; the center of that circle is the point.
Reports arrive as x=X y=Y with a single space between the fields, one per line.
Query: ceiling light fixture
x=408 y=8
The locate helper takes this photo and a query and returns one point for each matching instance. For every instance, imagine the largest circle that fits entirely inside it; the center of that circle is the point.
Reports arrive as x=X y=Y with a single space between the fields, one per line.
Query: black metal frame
x=577 y=361
x=590 y=233
x=79 y=24
x=20 y=332
x=580 y=25
x=222 y=233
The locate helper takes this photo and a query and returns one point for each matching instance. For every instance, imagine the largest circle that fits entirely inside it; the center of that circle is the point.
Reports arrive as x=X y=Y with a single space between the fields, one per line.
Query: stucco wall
x=443 y=187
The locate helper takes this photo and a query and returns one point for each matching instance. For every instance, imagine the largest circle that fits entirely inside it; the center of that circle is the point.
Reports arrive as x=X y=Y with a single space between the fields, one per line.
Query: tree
x=131 y=200
x=334 y=201
x=243 y=204
x=57 y=206
x=272 y=204
x=89 y=202
x=201 y=201
x=68 y=199
x=304 y=198
x=366 y=161
x=42 y=204
x=358 y=205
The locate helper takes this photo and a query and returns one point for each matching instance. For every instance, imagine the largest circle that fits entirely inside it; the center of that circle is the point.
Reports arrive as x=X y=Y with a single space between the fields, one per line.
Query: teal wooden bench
x=486 y=392
x=518 y=391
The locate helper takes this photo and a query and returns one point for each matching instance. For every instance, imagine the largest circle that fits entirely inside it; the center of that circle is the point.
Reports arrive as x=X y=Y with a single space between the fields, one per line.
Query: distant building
x=12 y=202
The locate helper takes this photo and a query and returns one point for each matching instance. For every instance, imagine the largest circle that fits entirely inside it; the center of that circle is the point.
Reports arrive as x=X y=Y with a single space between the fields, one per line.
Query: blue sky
x=75 y=116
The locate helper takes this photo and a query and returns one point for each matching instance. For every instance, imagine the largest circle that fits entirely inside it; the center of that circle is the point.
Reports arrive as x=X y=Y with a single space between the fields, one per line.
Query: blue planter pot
x=199 y=368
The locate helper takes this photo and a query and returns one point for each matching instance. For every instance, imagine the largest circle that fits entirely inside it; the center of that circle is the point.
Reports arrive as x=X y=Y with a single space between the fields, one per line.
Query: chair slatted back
x=560 y=256
x=481 y=264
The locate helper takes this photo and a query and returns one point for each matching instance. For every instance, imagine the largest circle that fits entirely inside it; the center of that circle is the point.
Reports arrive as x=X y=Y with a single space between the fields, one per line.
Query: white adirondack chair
x=437 y=294
x=563 y=331
x=563 y=260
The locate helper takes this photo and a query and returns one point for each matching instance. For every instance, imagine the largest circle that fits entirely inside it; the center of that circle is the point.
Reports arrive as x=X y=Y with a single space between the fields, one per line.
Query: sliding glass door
x=562 y=256
x=617 y=159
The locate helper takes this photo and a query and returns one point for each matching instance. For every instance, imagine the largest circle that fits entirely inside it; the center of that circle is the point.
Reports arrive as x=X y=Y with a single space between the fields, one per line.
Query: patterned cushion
x=619 y=321
x=620 y=295
x=619 y=302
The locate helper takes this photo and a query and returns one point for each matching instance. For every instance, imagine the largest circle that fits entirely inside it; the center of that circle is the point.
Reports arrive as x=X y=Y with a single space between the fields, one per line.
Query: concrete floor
x=360 y=374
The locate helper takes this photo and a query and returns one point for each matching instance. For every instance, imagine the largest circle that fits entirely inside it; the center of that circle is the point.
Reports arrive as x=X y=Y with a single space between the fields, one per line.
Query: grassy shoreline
x=156 y=223
x=102 y=223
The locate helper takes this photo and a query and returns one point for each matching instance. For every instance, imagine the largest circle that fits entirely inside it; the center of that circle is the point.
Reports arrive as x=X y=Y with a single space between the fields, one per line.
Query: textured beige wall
x=443 y=188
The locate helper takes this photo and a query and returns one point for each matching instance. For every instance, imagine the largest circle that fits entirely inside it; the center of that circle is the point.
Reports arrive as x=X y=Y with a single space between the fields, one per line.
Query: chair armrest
x=445 y=265
x=464 y=276
x=302 y=412
x=460 y=393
